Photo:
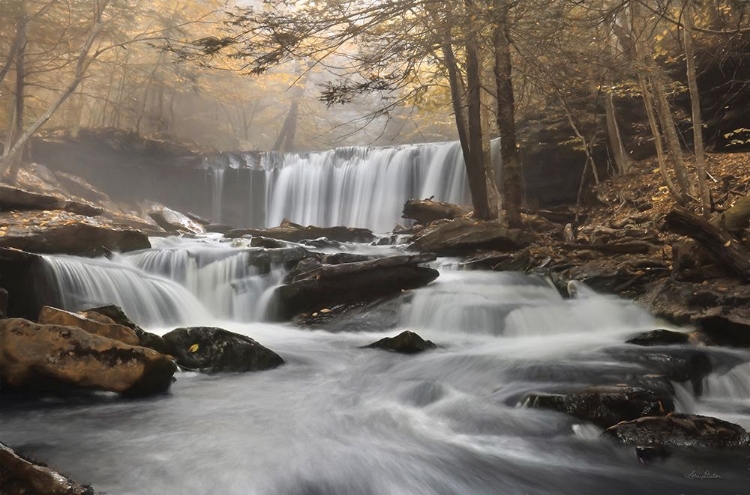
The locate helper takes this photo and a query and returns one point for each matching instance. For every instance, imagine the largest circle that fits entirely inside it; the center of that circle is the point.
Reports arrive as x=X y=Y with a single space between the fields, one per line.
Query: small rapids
x=340 y=420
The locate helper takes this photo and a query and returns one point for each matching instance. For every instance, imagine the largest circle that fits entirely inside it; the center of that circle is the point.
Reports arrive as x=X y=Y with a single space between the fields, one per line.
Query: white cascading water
x=148 y=299
x=217 y=176
x=338 y=419
x=362 y=187
x=169 y=285
x=222 y=279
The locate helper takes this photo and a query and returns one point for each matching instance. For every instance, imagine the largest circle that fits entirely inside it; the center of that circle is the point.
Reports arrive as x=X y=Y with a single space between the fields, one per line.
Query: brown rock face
x=292 y=232
x=98 y=325
x=463 y=236
x=19 y=476
x=54 y=357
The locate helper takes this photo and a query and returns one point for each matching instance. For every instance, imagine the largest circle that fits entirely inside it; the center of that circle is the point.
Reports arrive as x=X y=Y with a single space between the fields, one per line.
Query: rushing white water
x=362 y=187
x=217 y=176
x=337 y=419
x=153 y=300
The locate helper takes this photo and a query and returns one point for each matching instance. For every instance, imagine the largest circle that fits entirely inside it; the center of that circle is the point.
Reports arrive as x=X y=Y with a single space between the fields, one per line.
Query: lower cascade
x=341 y=417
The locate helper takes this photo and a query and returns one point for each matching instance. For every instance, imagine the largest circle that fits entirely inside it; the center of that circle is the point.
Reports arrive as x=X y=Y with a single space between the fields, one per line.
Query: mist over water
x=337 y=419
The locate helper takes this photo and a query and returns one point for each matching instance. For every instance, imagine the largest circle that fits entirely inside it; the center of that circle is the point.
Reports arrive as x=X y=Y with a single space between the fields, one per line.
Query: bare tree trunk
x=648 y=101
x=512 y=176
x=670 y=133
x=623 y=161
x=700 y=156
x=13 y=155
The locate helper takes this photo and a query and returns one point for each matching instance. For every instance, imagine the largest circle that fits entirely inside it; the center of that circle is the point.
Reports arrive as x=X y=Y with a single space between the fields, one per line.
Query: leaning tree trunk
x=700 y=156
x=512 y=177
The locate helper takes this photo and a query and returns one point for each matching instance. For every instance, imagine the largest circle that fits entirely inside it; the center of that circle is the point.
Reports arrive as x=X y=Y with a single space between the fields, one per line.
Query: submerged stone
x=604 y=406
x=659 y=337
x=404 y=343
x=681 y=430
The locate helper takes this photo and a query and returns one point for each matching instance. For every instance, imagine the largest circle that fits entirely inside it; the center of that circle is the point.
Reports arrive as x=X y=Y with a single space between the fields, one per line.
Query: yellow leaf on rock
x=326 y=310
x=193 y=348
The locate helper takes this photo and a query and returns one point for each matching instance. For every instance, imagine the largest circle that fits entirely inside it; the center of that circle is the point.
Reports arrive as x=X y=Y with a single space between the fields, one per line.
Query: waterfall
x=362 y=187
x=352 y=186
x=224 y=280
x=217 y=178
x=148 y=299
x=168 y=286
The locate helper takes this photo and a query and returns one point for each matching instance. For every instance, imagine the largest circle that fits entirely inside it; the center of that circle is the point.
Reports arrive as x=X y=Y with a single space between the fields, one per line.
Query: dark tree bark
x=512 y=177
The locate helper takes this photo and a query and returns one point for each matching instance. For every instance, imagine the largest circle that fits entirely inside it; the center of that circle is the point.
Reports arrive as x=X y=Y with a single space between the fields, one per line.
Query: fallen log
x=719 y=242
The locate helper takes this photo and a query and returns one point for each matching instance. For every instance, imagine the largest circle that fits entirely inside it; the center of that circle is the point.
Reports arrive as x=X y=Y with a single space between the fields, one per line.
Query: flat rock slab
x=350 y=283
x=98 y=326
x=60 y=232
x=463 y=236
x=681 y=430
x=55 y=358
x=292 y=232
x=404 y=343
x=21 y=476
x=214 y=350
x=14 y=198
x=604 y=406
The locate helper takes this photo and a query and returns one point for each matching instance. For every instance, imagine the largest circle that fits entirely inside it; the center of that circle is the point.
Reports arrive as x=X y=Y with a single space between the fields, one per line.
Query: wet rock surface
x=424 y=211
x=349 y=283
x=116 y=315
x=604 y=406
x=292 y=232
x=404 y=343
x=101 y=325
x=14 y=198
x=659 y=337
x=55 y=358
x=214 y=350
x=681 y=430
x=21 y=476
x=463 y=236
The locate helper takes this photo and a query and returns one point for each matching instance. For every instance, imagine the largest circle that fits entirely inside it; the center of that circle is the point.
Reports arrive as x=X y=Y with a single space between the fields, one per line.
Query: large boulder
x=60 y=232
x=175 y=222
x=324 y=286
x=97 y=325
x=404 y=343
x=215 y=350
x=114 y=314
x=604 y=406
x=463 y=236
x=681 y=430
x=20 y=476
x=54 y=358
x=292 y=232
x=24 y=277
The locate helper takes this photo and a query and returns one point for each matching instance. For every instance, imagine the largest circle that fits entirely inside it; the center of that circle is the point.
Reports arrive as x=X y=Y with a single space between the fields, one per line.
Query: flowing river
x=340 y=420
